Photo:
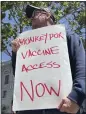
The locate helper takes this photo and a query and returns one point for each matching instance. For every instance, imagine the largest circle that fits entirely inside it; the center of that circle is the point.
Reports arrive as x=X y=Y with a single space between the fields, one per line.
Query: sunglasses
x=36 y=12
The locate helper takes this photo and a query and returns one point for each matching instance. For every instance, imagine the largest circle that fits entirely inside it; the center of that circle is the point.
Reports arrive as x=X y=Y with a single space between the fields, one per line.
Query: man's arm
x=74 y=100
x=13 y=61
x=15 y=47
x=78 y=93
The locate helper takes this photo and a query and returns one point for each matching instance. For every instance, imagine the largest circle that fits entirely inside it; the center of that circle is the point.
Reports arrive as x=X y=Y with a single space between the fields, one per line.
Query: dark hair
x=52 y=22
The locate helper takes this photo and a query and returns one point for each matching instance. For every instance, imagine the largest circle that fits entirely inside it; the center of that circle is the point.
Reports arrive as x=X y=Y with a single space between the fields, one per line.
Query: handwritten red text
x=48 y=51
x=43 y=37
x=35 y=90
x=50 y=64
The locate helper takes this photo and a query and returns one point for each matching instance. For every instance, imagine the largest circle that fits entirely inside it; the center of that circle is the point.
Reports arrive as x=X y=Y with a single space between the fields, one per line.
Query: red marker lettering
x=49 y=51
x=54 y=50
x=39 y=52
x=35 y=90
x=34 y=53
x=41 y=65
x=50 y=64
x=43 y=89
x=51 y=90
x=55 y=65
x=22 y=87
x=24 y=68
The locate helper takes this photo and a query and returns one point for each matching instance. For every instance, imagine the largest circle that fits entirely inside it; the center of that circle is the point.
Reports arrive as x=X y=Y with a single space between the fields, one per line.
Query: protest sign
x=43 y=75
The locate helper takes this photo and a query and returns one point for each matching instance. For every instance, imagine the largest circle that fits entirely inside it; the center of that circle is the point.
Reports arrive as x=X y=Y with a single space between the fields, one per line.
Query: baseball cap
x=30 y=9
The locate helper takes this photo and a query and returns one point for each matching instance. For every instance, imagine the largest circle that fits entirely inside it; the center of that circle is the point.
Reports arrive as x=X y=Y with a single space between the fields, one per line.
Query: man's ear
x=48 y=16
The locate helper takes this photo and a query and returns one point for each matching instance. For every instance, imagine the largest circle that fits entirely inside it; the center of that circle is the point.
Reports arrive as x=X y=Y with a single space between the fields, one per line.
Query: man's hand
x=68 y=106
x=15 y=45
x=13 y=112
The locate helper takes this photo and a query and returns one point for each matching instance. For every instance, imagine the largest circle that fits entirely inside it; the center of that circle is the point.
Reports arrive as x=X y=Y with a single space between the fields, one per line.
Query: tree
x=13 y=11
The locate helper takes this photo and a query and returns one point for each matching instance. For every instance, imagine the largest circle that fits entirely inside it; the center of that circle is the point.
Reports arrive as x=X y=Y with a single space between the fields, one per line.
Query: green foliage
x=14 y=11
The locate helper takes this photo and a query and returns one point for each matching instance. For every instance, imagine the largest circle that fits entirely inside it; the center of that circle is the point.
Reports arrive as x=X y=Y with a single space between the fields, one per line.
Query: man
x=70 y=104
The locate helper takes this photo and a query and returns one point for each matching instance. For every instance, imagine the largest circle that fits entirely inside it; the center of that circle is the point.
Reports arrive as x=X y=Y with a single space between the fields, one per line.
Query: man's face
x=39 y=19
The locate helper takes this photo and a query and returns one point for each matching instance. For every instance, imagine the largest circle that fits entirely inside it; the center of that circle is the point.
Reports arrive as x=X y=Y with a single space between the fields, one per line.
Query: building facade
x=7 y=82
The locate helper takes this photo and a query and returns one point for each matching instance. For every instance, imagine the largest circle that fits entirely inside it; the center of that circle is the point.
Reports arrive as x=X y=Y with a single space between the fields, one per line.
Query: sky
x=4 y=57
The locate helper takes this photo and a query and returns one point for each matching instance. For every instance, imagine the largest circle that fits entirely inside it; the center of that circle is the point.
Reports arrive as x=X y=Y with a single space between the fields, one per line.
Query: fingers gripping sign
x=15 y=45
x=68 y=106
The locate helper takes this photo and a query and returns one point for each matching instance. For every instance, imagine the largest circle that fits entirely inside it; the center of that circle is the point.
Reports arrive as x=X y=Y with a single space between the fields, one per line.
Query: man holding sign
x=36 y=45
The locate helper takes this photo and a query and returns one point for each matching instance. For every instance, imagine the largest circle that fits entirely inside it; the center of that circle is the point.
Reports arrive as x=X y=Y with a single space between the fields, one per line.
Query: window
x=4 y=94
x=6 y=71
x=6 y=79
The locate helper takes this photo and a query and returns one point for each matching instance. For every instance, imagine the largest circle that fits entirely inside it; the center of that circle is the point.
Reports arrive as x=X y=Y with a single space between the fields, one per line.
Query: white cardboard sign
x=43 y=75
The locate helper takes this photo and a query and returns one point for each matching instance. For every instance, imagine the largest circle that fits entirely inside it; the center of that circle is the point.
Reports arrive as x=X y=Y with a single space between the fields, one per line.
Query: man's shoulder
x=70 y=37
x=73 y=39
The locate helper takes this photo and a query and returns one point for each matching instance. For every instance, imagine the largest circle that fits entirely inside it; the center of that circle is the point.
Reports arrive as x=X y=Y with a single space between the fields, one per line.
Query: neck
x=47 y=24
